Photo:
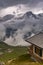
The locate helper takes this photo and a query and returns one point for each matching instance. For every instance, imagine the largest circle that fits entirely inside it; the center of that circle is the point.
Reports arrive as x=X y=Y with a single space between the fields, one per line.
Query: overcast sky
x=10 y=6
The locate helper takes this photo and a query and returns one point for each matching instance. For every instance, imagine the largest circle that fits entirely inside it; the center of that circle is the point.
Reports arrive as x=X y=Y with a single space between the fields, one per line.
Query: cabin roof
x=36 y=40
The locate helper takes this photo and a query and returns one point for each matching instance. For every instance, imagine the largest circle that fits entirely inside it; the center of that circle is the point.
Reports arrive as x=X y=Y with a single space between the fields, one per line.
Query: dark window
x=38 y=51
x=41 y=52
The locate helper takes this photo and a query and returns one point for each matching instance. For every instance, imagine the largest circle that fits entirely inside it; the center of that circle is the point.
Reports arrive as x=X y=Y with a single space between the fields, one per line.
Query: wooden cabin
x=36 y=47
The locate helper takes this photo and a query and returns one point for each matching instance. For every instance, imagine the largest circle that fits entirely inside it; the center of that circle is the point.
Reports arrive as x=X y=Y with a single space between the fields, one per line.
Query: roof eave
x=33 y=44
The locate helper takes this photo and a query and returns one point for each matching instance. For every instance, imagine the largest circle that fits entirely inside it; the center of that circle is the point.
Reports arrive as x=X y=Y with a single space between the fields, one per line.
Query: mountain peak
x=40 y=15
x=28 y=14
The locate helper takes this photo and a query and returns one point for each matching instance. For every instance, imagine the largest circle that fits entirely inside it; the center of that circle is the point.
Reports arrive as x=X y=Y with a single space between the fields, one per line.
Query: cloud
x=8 y=6
x=2 y=31
x=7 y=3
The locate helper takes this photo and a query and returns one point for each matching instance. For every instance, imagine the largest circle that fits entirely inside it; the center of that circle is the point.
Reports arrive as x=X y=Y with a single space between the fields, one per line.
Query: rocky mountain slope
x=16 y=29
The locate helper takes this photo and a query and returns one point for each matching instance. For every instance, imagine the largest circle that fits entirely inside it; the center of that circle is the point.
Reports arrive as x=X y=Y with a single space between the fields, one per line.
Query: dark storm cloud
x=7 y=3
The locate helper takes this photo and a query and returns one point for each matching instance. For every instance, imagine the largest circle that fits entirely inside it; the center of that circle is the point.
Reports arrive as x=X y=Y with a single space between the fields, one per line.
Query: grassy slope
x=18 y=56
x=23 y=60
x=17 y=51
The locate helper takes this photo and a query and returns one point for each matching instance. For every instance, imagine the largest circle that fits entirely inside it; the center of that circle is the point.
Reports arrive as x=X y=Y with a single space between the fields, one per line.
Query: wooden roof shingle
x=36 y=40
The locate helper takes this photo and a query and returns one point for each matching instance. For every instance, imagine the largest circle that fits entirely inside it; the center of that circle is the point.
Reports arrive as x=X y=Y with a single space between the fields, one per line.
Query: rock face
x=6 y=18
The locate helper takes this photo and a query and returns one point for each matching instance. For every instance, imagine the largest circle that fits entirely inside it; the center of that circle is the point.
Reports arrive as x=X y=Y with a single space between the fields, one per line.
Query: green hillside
x=10 y=55
x=23 y=60
x=10 y=52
